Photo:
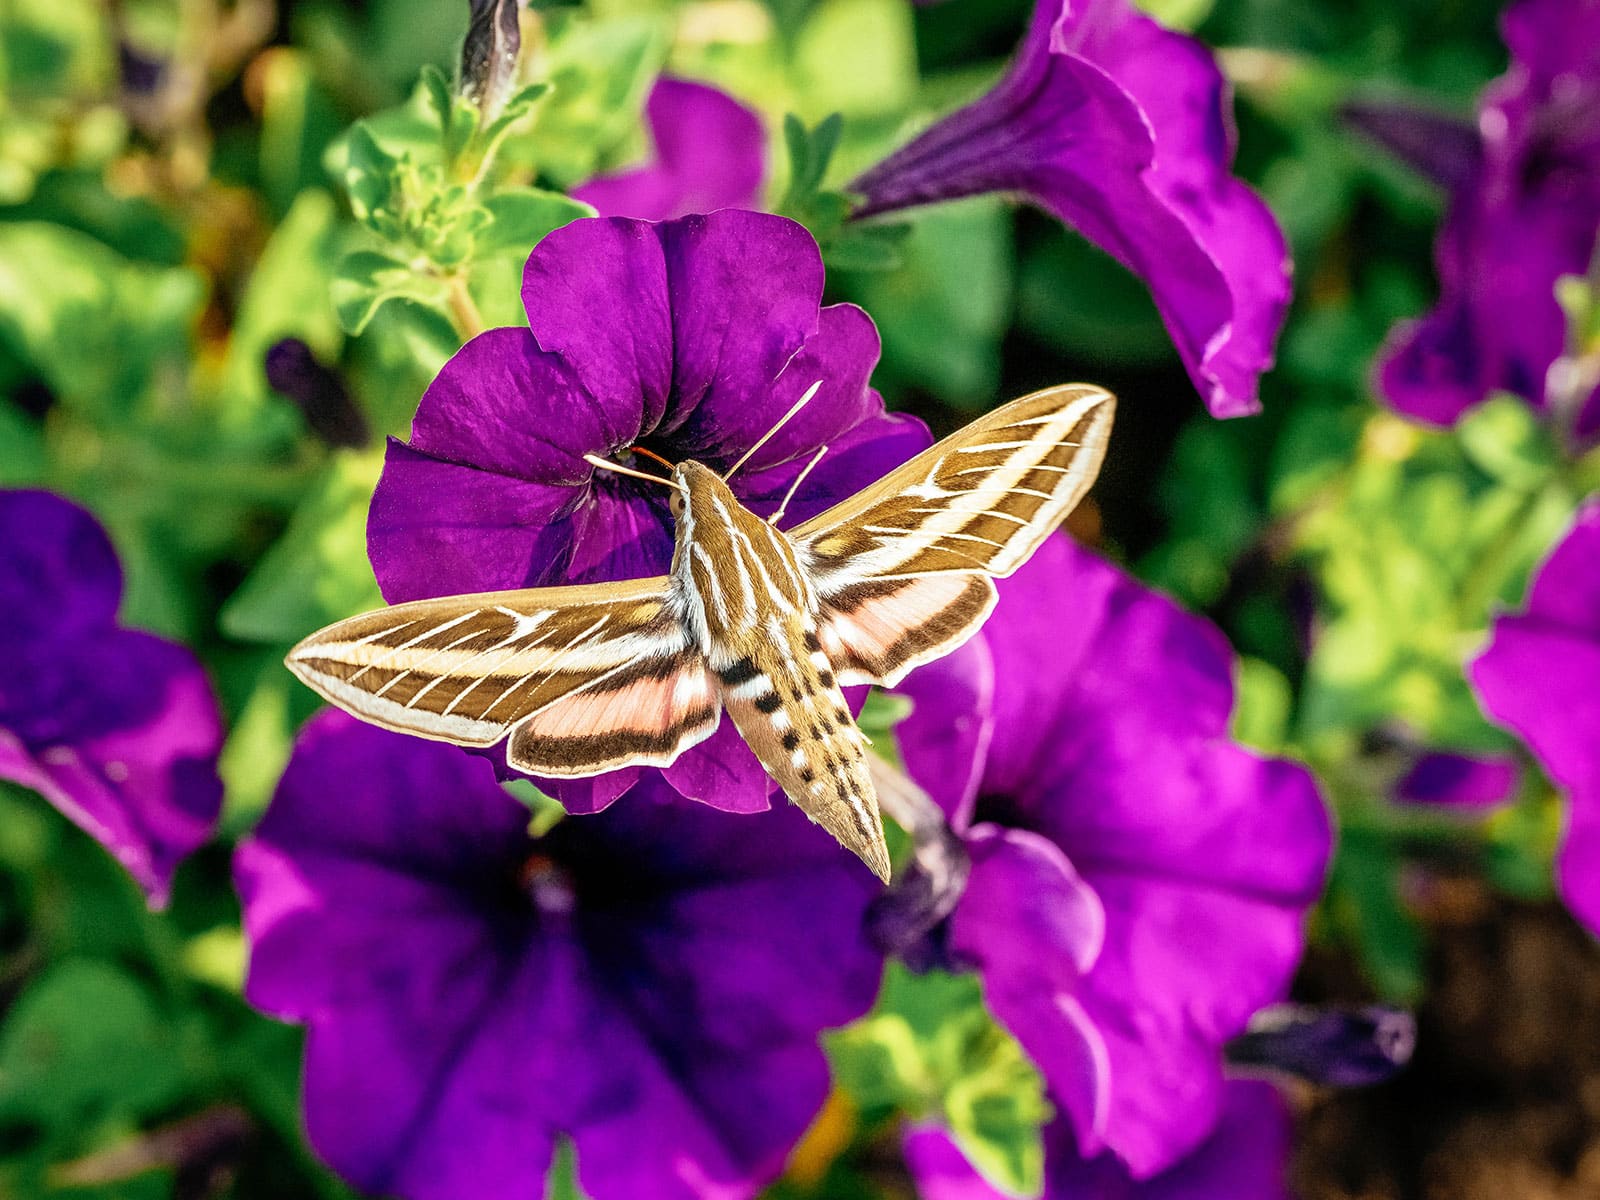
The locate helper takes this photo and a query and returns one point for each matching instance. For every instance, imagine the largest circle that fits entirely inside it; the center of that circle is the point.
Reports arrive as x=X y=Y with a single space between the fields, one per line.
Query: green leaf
x=1185 y=15
x=930 y=1049
x=878 y=246
x=857 y=57
x=287 y=296
x=95 y=327
x=318 y=571
x=562 y=1183
x=599 y=75
x=257 y=749
x=83 y=1042
x=943 y=314
x=810 y=152
x=1505 y=439
x=365 y=280
x=996 y=1116
x=1263 y=706
x=521 y=105
x=520 y=217
x=368 y=173
x=1365 y=899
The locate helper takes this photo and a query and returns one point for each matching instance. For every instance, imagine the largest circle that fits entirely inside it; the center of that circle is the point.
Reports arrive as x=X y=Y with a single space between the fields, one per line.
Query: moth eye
x=675 y=504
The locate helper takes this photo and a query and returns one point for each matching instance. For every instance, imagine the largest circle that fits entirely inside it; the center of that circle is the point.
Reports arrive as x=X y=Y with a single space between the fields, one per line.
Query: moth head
x=697 y=489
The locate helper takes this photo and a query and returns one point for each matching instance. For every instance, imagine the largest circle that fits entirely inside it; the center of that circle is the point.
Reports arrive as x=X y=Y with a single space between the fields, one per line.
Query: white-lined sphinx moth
x=764 y=623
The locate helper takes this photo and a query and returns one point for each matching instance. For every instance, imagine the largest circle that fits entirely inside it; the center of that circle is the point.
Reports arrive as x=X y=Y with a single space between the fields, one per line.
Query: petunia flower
x=1524 y=211
x=649 y=982
x=116 y=728
x=1124 y=131
x=1540 y=676
x=710 y=153
x=1138 y=882
x=1245 y=1157
x=688 y=338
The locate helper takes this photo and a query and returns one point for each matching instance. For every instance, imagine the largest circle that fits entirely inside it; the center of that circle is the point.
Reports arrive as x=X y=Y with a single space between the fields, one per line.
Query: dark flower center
x=548 y=884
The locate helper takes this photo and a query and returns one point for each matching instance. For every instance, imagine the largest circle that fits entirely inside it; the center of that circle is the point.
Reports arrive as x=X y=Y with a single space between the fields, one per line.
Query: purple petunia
x=710 y=153
x=649 y=982
x=1123 y=130
x=689 y=338
x=1524 y=211
x=1540 y=675
x=1245 y=1157
x=118 y=729
x=1138 y=881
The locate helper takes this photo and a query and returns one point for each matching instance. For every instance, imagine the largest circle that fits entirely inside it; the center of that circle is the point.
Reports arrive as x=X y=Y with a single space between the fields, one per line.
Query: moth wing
x=583 y=679
x=902 y=569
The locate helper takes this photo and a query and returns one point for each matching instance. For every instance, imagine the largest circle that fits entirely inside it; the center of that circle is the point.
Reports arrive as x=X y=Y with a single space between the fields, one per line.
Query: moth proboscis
x=764 y=623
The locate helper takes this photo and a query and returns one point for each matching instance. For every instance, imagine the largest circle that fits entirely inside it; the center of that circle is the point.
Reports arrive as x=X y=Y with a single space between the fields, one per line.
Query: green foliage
x=420 y=179
x=931 y=1050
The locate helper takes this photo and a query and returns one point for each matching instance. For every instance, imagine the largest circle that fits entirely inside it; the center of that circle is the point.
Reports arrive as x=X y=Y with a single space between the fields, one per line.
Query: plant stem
x=464 y=312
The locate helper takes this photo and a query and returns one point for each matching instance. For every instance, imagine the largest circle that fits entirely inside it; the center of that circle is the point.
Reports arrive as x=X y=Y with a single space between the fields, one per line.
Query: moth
x=765 y=623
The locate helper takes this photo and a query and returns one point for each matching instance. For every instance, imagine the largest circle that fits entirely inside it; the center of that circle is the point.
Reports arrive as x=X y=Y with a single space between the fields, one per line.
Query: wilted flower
x=689 y=338
x=1540 y=675
x=1138 y=881
x=1451 y=779
x=118 y=729
x=1123 y=130
x=709 y=150
x=1524 y=211
x=649 y=982
x=292 y=370
x=1245 y=1157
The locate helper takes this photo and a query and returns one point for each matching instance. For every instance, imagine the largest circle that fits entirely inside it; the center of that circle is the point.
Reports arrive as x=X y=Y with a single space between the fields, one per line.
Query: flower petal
x=60 y=574
x=1033 y=927
x=1524 y=217
x=597 y=295
x=710 y=153
x=1177 y=976
x=1121 y=129
x=944 y=742
x=649 y=982
x=1245 y=1157
x=121 y=733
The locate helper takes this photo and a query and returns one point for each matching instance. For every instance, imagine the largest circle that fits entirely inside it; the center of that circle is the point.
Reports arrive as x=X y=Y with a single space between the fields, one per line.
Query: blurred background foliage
x=237 y=240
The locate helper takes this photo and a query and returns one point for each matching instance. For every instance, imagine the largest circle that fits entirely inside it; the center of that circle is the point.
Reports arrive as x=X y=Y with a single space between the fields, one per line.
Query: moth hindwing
x=767 y=624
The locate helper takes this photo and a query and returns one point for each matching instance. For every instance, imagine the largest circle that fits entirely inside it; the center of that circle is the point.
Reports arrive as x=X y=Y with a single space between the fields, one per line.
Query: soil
x=1502 y=1098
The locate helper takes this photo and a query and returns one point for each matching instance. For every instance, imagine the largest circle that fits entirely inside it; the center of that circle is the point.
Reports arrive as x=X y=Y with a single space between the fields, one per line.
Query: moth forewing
x=612 y=659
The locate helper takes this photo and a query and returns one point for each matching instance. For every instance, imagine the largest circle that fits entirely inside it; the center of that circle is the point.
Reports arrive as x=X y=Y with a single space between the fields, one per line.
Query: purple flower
x=118 y=729
x=1451 y=779
x=710 y=153
x=689 y=338
x=1245 y=1157
x=1540 y=676
x=1138 y=881
x=1123 y=130
x=1525 y=214
x=649 y=982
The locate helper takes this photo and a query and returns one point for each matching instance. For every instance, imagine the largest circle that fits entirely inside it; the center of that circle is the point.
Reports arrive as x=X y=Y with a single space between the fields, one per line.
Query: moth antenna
x=768 y=435
x=795 y=487
x=594 y=460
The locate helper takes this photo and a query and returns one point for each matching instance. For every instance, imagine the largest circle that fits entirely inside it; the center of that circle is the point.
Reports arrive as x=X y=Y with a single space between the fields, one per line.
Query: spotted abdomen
x=784 y=699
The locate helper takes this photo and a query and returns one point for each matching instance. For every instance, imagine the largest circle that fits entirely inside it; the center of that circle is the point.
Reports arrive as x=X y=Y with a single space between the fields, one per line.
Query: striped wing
x=903 y=568
x=582 y=679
